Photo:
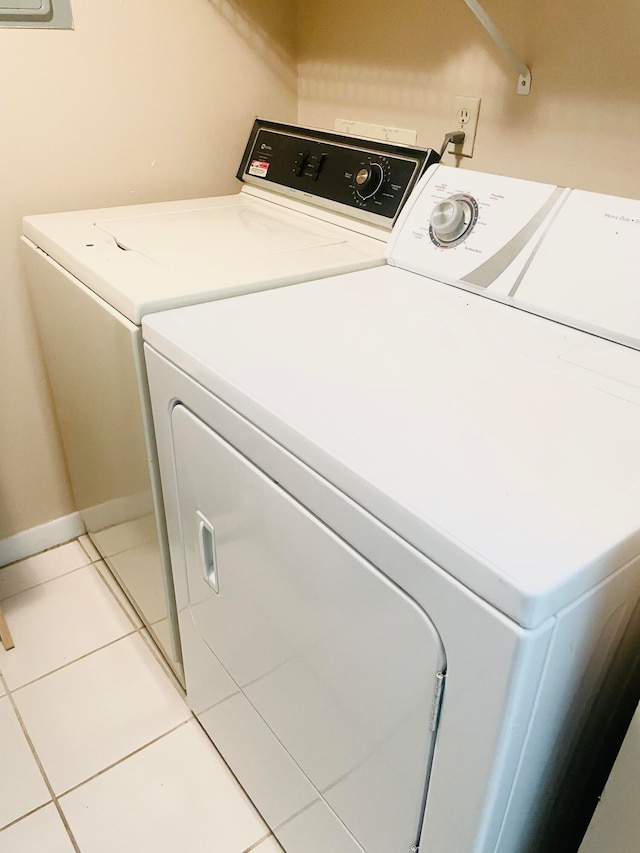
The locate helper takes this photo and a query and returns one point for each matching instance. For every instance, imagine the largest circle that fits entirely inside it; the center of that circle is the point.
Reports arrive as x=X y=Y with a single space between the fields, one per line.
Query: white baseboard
x=37 y=539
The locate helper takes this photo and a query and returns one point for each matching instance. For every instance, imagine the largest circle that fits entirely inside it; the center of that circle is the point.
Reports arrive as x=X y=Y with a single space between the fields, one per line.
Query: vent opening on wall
x=54 y=14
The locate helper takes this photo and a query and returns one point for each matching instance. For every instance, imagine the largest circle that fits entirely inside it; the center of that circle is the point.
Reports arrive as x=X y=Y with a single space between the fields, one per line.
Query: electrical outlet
x=465 y=117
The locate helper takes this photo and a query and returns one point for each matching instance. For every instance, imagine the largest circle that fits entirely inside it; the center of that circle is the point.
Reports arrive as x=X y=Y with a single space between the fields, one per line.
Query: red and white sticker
x=259 y=168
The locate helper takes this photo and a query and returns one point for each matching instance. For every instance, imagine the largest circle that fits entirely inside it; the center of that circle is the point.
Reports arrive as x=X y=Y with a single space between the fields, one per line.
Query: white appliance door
x=332 y=669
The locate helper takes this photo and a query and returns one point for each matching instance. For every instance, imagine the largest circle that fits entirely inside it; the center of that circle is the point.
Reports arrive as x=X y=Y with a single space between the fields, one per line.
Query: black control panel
x=370 y=178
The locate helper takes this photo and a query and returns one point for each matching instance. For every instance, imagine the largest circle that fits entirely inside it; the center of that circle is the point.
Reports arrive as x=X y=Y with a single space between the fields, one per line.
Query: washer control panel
x=470 y=227
x=565 y=254
x=369 y=179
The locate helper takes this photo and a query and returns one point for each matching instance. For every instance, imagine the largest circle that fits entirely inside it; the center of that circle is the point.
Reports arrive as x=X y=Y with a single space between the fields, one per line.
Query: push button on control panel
x=300 y=162
x=313 y=166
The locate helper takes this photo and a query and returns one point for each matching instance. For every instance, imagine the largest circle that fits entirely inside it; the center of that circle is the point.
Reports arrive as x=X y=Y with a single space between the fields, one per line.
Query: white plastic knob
x=447 y=220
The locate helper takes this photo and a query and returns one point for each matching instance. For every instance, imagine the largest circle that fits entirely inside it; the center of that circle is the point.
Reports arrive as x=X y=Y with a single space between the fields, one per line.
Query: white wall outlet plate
x=400 y=135
x=465 y=117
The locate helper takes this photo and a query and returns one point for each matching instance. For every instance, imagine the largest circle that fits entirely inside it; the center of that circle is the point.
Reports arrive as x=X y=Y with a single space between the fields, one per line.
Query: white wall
x=144 y=100
x=401 y=62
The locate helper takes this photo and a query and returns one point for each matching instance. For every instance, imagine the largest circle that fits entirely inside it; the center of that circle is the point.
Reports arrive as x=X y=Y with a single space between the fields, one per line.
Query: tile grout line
x=260 y=841
x=36 y=757
x=244 y=791
x=85 y=549
x=148 y=643
x=65 y=823
x=159 y=658
x=46 y=551
x=45 y=582
x=125 y=757
x=113 y=594
x=9 y=691
x=141 y=629
x=24 y=816
x=71 y=662
x=56 y=797
x=128 y=609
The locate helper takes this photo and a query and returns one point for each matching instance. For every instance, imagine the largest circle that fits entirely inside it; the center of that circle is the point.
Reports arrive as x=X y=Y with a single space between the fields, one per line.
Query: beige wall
x=401 y=62
x=144 y=100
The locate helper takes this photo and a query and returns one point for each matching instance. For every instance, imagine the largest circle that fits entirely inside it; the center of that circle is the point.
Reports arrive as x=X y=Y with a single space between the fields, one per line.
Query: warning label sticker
x=259 y=168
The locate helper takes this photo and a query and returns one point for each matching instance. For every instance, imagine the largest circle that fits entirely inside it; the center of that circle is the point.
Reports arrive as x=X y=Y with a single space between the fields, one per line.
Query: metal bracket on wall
x=524 y=74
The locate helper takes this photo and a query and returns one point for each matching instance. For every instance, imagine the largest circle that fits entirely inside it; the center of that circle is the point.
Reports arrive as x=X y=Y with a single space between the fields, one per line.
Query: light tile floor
x=98 y=750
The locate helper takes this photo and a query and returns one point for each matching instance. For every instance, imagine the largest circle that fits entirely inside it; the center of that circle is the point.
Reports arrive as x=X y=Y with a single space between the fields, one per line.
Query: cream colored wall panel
x=144 y=100
x=401 y=62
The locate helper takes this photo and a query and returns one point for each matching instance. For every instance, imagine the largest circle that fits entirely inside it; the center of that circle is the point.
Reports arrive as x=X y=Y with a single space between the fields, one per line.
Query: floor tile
x=176 y=794
x=115 y=588
x=22 y=787
x=40 y=831
x=40 y=568
x=89 y=547
x=57 y=622
x=97 y=710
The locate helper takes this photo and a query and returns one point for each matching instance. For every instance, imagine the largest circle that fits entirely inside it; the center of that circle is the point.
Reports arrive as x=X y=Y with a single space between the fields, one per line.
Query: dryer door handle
x=207 y=541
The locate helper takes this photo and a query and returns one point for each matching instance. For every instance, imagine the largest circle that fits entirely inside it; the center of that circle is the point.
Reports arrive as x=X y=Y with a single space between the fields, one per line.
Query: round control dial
x=453 y=219
x=368 y=180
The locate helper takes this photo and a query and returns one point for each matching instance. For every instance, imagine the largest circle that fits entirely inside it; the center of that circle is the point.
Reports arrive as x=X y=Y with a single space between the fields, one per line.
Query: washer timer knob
x=369 y=180
x=452 y=219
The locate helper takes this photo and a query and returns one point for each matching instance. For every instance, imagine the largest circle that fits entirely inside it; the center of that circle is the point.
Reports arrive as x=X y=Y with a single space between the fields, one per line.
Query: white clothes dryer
x=312 y=204
x=405 y=524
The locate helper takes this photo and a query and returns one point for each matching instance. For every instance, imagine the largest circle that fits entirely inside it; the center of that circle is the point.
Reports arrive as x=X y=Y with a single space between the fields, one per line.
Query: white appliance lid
x=504 y=446
x=166 y=255
x=202 y=236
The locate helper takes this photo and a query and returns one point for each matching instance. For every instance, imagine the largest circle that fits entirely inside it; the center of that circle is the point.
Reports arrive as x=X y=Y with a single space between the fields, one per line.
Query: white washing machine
x=404 y=520
x=312 y=204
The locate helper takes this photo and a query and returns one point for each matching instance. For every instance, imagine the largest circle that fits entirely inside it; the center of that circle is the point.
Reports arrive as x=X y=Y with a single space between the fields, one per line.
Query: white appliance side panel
x=580 y=706
x=97 y=375
x=338 y=662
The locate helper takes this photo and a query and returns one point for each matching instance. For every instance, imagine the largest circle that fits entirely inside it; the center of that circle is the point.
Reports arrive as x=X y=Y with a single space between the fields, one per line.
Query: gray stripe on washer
x=520 y=278
x=488 y=272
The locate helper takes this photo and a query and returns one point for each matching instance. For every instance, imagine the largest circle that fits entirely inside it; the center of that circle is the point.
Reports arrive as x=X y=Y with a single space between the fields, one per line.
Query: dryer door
x=327 y=717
